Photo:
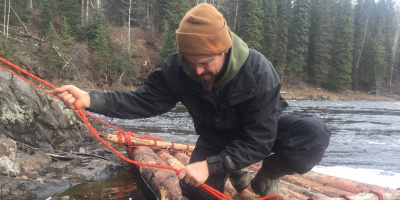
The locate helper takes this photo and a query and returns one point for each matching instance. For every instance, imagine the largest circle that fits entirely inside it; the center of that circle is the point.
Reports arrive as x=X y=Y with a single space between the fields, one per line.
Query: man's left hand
x=195 y=174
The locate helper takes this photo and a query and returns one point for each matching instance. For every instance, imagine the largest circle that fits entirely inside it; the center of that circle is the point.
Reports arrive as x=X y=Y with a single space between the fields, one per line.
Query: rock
x=9 y=165
x=43 y=145
x=32 y=117
x=19 y=188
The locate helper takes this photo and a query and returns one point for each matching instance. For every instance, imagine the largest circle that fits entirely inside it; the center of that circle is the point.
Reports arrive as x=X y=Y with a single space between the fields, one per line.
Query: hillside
x=145 y=47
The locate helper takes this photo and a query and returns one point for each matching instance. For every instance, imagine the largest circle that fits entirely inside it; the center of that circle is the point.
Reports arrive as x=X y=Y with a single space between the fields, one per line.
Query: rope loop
x=380 y=197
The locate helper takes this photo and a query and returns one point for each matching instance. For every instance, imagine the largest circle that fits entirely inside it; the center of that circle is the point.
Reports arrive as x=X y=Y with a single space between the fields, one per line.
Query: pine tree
x=99 y=41
x=342 y=47
x=66 y=39
x=71 y=10
x=298 y=40
x=175 y=10
x=279 y=58
x=319 y=56
x=270 y=28
x=45 y=16
x=362 y=18
x=124 y=68
x=250 y=29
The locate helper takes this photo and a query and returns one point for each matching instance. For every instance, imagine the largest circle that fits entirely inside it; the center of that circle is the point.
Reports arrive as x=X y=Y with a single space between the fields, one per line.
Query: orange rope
x=81 y=113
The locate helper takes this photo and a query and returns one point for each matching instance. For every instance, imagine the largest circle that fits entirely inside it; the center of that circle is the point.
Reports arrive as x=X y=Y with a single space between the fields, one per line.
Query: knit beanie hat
x=203 y=31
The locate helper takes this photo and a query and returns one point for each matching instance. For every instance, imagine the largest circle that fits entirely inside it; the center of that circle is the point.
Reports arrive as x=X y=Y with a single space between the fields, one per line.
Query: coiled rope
x=82 y=115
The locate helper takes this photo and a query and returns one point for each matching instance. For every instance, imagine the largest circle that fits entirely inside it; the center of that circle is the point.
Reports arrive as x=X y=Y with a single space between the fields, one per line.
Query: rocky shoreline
x=32 y=173
x=44 y=147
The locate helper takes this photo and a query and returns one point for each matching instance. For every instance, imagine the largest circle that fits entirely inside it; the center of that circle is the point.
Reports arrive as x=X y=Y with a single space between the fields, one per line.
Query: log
x=183 y=158
x=343 y=184
x=170 y=160
x=371 y=196
x=152 y=143
x=163 y=182
x=305 y=183
x=296 y=192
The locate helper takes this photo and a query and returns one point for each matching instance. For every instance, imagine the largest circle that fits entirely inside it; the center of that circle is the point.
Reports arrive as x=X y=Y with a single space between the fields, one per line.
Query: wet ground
x=366 y=134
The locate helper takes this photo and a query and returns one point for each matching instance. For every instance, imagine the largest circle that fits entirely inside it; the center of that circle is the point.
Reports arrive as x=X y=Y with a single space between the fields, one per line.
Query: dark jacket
x=241 y=120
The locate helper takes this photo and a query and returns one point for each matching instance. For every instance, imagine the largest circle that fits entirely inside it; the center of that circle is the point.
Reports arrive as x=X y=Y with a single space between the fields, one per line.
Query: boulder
x=30 y=116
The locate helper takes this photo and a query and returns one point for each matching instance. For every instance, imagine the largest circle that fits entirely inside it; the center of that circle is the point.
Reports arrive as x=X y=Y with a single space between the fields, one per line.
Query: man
x=233 y=95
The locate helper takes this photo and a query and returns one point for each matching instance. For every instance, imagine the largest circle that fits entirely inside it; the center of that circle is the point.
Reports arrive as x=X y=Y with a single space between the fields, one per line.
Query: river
x=365 y=145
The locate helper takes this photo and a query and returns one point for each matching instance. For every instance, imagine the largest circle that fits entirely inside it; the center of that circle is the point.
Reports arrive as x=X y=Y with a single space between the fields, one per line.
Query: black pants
x=300 y=144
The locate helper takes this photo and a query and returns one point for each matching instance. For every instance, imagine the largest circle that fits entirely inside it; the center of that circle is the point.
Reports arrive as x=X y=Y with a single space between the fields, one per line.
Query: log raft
x=312 y=185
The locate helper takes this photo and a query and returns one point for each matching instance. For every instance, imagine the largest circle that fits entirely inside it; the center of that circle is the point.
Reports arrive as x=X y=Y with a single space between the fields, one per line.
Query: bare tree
x=4 y=18
x=8 y=16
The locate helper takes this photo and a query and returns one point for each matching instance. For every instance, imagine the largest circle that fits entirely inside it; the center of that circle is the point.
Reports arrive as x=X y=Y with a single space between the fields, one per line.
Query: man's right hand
x=70 y=94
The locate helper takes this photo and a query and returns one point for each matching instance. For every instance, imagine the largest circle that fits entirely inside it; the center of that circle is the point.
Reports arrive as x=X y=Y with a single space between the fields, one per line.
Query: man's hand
x=70 y=94
x=195 y=174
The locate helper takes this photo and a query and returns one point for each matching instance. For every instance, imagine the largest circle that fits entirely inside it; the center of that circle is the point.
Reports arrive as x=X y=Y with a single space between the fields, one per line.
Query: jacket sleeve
x=260 y=119
x=151 y=99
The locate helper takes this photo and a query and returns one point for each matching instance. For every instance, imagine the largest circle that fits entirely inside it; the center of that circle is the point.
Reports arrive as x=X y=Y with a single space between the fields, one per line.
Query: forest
x=338 y=45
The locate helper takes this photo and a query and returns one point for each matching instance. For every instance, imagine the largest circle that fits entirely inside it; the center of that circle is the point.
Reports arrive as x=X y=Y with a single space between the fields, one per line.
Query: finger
x=70 y=103
x=197 y=184
x=62 y=94
x=187 y=180
x=66 y=97
x=182 y=174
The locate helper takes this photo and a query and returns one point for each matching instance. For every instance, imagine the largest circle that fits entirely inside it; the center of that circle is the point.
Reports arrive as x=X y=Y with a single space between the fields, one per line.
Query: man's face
x=207 y=67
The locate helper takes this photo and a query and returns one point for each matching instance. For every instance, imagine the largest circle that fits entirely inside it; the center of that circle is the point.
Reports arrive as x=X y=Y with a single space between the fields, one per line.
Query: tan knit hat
x=203 y=31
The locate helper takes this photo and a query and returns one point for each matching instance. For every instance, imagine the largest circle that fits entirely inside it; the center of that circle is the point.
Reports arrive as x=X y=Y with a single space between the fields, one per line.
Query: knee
x=305 y=142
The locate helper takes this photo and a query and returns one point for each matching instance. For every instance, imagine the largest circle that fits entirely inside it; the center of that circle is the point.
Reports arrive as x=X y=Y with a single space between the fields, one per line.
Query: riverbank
x=315 y=93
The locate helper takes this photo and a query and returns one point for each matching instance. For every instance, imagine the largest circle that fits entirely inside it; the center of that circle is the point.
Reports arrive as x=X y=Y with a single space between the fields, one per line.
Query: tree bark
x=163 y=182
x=341 y=183
x=8 y=16
x=152 y=143
x=4 y=17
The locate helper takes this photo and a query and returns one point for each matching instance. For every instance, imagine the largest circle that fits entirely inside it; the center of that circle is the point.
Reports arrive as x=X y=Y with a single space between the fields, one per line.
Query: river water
x=365 y=144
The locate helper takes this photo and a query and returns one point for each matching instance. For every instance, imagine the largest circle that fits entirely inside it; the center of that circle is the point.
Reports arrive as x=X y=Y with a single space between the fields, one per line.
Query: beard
x=207 y=80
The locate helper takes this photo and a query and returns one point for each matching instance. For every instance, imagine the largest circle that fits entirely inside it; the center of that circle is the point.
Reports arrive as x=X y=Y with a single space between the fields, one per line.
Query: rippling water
x=365 y=135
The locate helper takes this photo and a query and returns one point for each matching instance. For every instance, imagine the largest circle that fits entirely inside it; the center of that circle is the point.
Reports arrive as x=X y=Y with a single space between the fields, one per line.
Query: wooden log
x=169 y=159
x=305 y=183
x=371 y=196
x=163 y=182
x=297 y=192
x=152 y=143
x=183 y=158
x=344 y=184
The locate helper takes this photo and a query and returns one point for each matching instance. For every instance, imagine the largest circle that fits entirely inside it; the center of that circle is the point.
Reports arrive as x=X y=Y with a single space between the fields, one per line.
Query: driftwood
x=152 y=143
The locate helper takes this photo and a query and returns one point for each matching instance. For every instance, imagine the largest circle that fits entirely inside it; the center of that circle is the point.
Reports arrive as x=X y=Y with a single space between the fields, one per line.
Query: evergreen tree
x=298 y=39
x=102 y=51
x=71 y=10
x=96 y=22
x=250 y=29
x=279 y=58
x=99 y=41
x=362 y=18
x=270 y=28
x=174 y=12
x=371 y=75
x=124 y=68
x=342 y=47
x=66 y=39
x=319 y=56
x=45 y=19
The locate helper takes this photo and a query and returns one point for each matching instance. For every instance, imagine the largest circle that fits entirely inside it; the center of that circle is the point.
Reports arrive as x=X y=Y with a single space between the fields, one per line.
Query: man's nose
x=199 y=69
